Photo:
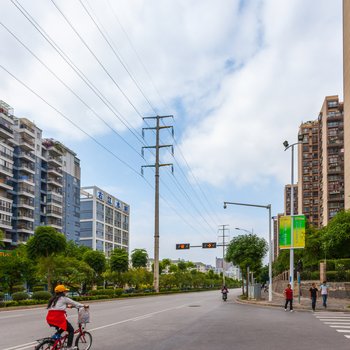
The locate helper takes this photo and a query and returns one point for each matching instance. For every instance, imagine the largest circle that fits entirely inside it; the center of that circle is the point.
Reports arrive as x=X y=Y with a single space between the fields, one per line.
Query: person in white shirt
x=324 y=293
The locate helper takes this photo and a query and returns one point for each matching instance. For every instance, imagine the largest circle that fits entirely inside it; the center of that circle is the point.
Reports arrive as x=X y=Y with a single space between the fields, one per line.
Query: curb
x=295 y=307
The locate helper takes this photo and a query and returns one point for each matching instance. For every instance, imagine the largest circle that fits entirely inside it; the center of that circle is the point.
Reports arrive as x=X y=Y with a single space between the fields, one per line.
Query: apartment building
x=104 y=220
x=331 y=150
x=287 y=199
x=309 y=172
x=321 y=164
x=346 y=87
x=6 y=170
x=39 y=182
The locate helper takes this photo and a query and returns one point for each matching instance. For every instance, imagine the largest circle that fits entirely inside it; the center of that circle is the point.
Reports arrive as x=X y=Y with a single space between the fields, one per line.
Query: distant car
x=130 y=290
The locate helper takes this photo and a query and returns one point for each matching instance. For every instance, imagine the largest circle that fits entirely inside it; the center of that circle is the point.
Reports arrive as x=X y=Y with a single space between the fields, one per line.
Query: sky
x=238 y=77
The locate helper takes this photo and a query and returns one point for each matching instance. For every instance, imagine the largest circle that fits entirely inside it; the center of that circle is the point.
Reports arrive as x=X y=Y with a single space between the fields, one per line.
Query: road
x=200 y=321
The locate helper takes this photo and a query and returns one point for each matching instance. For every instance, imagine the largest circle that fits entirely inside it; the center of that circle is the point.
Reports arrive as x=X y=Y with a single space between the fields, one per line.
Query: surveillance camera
x=285 y=144
x=225 y=206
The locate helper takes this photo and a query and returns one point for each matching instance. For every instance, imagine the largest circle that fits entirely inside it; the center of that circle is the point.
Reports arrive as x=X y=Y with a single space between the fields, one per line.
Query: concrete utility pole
x=157 y=128
x=223 y=229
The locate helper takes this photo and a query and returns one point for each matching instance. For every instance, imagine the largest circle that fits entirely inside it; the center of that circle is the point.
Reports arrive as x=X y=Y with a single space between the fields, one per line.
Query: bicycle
x=83 y=340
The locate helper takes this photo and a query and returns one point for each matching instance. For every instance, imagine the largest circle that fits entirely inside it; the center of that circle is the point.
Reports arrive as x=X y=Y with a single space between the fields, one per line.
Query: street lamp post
x=270 y=241
x=291 y=254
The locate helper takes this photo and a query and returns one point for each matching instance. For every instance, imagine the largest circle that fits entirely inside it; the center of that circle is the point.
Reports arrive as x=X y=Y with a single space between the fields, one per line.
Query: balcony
x=25 y=227
x=26 y=191
x=29 y=204
x=25 y=215
x=5 y=184
x=55 y=171
x=25 y=129
x=6 y=131
x=26 y=179
x=56 y=181
x=28 y=167
x=54 y=213
x=27 y=155
x=6 y=170
x=26 y=144
x=56 y=161
x=5 y=224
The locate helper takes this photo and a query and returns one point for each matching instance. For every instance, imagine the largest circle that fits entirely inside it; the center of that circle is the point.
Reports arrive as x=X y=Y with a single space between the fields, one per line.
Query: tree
x=336 y=236
x=119 y=261
x=44 y=245
x=15 y=269
x=96 y=260
x=139 y=258
x=2 y=236
x=247 y=251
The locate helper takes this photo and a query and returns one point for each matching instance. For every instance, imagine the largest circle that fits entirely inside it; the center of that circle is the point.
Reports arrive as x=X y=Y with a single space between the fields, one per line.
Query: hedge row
x=97 y=296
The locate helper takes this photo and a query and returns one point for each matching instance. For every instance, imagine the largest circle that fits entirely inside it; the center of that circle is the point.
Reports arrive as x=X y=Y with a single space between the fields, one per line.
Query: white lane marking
x=12 y=316
x=334 y=320
x=141 y=318
x=341 y=326
x=347 y=336
x=341 y=317
x=343 y=330
x=22 y=346
x=340 y=323
x=136 y=318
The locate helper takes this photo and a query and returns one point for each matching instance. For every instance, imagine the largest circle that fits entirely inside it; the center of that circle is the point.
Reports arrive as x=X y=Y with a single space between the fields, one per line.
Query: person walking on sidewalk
x=324 y=293
x=313 y=296
x=288 y=294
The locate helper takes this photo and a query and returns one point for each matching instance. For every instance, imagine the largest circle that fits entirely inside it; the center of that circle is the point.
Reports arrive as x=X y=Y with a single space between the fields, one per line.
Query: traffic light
x=183 y=246
x=209 y=245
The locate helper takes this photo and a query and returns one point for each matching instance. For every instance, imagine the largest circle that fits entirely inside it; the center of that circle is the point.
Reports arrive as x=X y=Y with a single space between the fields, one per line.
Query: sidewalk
x=305 y=303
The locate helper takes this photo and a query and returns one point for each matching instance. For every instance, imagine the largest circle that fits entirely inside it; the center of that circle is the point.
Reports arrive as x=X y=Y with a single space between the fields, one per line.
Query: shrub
x=41 y=295
x=38 y=288
x=109 y=292
x=315 y=275
x=19 y=296
x=8 y=303
x=118 y=291
x=2 y=296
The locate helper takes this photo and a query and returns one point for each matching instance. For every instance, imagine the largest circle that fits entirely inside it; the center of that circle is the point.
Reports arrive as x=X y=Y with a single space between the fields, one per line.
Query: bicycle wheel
x=84 y=341
x=46 y=344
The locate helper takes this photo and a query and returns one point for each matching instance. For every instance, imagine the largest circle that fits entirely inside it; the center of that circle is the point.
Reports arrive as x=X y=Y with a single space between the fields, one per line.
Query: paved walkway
x=305 y=303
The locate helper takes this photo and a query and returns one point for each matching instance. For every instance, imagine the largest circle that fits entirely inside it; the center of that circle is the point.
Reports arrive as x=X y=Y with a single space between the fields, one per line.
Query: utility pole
x=157 y=165
x=223 y=229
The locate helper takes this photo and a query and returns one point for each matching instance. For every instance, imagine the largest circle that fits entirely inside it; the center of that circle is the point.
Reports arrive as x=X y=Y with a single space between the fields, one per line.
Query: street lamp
x=291 y=254
x=270 y=241
x=242 y=229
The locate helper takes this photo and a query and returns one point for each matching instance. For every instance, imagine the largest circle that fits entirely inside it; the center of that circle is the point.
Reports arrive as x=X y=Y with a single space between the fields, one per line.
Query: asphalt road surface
x=200 y=321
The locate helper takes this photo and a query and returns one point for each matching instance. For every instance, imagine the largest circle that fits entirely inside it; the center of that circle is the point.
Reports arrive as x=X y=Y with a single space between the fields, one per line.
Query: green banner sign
x=298 y=232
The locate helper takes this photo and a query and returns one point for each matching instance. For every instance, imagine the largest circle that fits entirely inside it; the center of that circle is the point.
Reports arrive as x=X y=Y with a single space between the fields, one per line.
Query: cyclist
x=57 y=317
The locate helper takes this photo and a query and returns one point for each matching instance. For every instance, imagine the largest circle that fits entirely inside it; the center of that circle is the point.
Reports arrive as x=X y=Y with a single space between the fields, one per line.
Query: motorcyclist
x=224 y=292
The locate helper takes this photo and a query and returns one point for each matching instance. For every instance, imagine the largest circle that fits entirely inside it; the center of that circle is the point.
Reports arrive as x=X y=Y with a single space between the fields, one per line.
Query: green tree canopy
x=336 y=236
x=119 y=261
x=247 y=250
x=96 y=260
x=139 y=258
x=45 y=242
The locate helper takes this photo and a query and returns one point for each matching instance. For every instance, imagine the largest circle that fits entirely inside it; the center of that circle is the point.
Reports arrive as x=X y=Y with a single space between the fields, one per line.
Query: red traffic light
x=209 y=245
x=183 y=246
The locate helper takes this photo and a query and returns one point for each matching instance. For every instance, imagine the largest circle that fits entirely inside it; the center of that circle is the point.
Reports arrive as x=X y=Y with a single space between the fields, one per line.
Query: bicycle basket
x=83 y=315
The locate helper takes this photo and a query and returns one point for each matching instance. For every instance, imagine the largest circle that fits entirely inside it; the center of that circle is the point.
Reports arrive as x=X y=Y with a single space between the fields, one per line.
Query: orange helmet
x=61 y=288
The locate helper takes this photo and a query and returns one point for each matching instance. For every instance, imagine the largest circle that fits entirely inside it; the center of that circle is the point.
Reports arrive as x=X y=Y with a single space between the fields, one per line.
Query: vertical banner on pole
x=298 y=232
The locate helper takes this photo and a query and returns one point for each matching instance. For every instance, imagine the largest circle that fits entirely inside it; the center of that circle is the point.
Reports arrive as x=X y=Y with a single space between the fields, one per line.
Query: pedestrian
x=313 y=296
x=324 y=293
x=288 y=294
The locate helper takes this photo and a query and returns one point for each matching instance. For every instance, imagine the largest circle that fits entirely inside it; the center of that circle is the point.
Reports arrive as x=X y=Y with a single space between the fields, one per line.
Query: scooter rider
x=224 y=292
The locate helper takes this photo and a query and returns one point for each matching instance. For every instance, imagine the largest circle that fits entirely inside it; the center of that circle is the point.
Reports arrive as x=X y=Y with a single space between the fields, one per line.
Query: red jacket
x=57 y=318
x=288 y=292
